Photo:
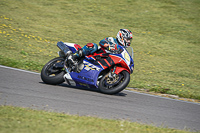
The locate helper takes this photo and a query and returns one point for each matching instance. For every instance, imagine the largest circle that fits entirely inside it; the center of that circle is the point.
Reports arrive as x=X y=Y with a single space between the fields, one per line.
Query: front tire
x=52 y=75
x=118 y=86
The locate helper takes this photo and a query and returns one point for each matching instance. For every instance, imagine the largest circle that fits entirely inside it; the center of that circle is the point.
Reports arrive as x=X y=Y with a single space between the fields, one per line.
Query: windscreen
x=130 y=51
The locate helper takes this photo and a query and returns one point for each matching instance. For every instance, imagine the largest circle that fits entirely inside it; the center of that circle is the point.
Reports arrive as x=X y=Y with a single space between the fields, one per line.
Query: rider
x=108 y=45
x=88 y=49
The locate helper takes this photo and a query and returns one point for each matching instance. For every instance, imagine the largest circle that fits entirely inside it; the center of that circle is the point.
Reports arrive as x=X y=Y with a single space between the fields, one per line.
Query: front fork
x=112 y=73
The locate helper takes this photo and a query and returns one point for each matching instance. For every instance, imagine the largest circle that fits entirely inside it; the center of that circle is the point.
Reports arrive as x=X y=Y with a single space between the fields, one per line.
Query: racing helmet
x=124 y=37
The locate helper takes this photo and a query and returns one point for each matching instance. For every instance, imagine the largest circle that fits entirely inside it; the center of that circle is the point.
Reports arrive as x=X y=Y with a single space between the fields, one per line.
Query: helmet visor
x=128 y=41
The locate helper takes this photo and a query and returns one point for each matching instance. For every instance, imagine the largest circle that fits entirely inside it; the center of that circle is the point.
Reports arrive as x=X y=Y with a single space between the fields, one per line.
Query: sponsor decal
x=86 y=85
x=89 y=66
x=85 y=78
x=127 y=57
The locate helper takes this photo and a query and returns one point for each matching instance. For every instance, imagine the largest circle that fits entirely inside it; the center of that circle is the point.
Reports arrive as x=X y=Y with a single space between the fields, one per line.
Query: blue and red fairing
x=113 y=59
x=88 y=75
x=92 y=67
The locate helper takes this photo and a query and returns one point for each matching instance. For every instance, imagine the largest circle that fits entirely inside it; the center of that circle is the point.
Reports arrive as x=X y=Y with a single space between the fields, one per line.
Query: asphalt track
x=26 y=89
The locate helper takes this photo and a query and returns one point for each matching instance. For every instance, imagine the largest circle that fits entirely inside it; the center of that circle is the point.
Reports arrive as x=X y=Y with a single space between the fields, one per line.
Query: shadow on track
x=86 y=89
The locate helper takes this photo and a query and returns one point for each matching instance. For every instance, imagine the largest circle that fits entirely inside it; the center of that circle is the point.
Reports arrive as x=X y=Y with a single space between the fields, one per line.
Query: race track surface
x=26 y=89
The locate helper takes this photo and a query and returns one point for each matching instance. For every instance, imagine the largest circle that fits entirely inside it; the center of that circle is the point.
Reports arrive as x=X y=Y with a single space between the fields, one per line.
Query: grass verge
x=22 y=120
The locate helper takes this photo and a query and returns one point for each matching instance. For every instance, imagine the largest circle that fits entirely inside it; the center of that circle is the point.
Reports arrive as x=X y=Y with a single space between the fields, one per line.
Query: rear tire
x=125 y=79
x=50 y=75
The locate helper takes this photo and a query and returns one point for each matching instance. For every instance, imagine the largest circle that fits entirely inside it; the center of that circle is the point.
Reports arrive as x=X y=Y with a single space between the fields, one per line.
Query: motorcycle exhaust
x=64 y=48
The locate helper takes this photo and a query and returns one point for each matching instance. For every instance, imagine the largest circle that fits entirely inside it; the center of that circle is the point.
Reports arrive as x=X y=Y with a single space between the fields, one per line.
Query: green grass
x=166 y=36
x=21 y=120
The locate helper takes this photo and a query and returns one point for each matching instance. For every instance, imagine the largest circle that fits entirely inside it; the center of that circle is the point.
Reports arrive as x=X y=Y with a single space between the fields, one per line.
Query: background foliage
x=166 y=36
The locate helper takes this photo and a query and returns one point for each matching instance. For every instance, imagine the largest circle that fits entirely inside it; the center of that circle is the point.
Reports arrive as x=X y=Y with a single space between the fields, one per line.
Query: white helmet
x=124 y=37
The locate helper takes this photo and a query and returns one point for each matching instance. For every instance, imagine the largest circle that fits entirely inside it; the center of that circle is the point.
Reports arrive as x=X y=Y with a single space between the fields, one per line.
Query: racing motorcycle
x=110 y=73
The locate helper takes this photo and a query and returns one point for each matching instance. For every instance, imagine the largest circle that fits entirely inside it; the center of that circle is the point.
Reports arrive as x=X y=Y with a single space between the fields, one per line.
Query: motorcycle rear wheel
x=52 y=75
x=118 y=86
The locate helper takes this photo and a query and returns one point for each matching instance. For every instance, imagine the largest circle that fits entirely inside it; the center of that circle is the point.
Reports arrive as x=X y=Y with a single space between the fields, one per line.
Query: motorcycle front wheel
x=110 y=85
x=53 y=72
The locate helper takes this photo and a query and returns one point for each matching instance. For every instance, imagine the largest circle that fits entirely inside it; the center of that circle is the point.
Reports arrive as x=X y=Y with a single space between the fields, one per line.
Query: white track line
x=19 y=69
x=161 y=97
x=124 y=90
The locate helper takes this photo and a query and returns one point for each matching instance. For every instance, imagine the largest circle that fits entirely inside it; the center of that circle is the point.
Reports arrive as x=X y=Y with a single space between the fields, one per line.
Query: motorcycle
x=110 y=73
